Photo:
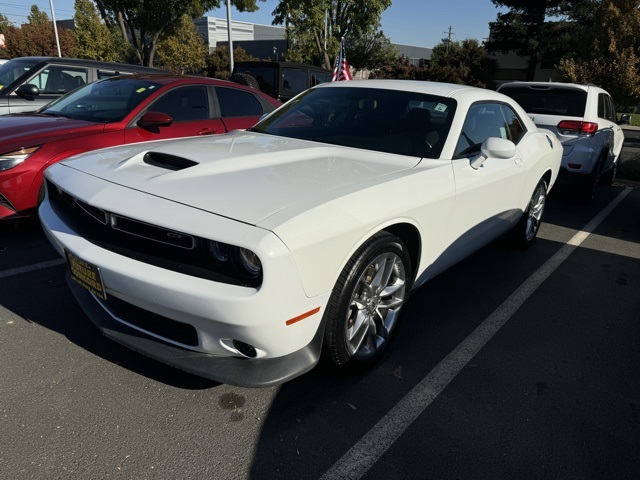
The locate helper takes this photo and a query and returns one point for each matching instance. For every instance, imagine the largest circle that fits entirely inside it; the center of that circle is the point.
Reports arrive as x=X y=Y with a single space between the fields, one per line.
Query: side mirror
x=496 y=148
x=155 y=120
x=625 y=119
x=27 y=91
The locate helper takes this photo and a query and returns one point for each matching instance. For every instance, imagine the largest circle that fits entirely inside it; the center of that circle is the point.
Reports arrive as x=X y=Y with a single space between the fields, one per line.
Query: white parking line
x=361 y=457
x=31 y=268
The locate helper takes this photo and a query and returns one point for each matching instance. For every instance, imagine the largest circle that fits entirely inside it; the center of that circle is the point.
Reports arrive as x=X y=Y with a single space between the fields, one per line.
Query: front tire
x=526 y=230
x=364 y=311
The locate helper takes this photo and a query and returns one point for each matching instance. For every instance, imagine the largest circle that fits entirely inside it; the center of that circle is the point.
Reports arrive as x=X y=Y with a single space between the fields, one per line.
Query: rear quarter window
x=549 y=101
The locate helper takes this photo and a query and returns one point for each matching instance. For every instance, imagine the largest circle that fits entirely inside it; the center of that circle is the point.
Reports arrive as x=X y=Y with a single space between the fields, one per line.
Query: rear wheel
x=609 y=176
x=587 y=191
x=365 y=307
x=526 y=230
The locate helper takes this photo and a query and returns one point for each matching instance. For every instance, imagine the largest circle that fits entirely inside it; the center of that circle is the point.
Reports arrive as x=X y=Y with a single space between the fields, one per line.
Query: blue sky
x=412 y=22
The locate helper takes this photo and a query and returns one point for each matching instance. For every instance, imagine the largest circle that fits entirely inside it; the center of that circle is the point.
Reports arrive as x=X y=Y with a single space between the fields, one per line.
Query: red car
x=115 y=111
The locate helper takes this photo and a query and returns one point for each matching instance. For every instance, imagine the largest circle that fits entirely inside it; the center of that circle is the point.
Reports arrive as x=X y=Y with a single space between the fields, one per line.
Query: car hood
x=241 y=175
x=32 y=128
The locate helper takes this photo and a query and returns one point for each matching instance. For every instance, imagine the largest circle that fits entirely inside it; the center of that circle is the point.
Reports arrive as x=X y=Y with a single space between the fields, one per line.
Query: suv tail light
x=576 y=126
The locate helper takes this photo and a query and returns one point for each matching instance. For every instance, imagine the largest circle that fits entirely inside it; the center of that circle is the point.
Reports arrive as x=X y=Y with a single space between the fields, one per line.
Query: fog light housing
x=245 y=349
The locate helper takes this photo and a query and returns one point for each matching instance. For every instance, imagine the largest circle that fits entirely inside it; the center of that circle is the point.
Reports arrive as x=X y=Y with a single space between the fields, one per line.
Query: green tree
x=400 y=69
x=184 y=50
x=4 y=23
x=93 y=38
x=609 y=56
x=370 y=50
x=144 y=23
x=37 y=37
x=523 y=29
x=217 y=62
x=37 y=16
x=466 y=63
x=305 y=21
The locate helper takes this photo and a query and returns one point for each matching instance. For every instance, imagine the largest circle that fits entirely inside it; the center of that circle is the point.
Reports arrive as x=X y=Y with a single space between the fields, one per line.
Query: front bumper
x=237 y=371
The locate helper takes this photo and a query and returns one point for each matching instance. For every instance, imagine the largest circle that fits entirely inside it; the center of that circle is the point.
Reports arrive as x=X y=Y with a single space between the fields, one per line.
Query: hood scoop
x=168 y=161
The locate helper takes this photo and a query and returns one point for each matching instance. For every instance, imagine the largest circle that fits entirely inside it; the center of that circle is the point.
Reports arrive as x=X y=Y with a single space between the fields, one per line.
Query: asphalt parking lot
x=513 y=364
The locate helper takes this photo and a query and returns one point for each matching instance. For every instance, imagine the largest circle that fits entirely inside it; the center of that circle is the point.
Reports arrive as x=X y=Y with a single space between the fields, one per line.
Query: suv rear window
x=549 y=101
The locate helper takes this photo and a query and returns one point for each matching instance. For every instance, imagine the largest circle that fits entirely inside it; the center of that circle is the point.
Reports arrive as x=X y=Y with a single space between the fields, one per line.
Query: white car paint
x=304 y=208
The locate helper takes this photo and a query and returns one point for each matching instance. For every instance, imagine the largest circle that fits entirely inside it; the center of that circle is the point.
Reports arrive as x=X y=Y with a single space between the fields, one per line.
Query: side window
x=602 y=105
x=238 y=103
x=319 y=77
x=483 y=120
x=184 y=104
x=486 y=120
x=294 y=80
x=612 y=110
x=58 y=79
x=515 y=129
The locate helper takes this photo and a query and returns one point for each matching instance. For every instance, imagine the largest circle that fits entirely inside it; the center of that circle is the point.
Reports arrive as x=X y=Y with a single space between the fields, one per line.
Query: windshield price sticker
x=86 y=275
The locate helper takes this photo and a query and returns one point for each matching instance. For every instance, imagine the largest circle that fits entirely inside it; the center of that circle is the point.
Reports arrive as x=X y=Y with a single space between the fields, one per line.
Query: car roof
x=549 y=85
x=419 y=86
x=90 y=63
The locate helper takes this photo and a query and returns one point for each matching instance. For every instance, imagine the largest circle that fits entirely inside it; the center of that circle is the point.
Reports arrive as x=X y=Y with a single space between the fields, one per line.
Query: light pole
x=229 y=36
x=55 y=27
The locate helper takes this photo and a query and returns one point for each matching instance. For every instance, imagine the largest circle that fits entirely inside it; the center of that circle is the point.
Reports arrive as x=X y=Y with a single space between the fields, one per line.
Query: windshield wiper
x=56 y=114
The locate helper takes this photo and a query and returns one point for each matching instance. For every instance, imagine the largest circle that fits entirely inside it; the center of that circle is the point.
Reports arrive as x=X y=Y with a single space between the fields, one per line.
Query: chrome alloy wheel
x=375 y=305
x=536 y=208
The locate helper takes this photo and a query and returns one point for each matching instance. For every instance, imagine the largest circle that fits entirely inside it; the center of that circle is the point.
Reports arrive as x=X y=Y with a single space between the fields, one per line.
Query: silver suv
x=28 y=83
x=583 y=117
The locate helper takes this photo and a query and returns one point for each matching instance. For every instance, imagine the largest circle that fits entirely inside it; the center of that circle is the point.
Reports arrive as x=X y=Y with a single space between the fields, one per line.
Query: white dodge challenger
x=243 y=257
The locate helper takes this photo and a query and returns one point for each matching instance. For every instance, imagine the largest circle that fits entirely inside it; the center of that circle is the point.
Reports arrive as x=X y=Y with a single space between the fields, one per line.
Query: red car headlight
x=11 y=159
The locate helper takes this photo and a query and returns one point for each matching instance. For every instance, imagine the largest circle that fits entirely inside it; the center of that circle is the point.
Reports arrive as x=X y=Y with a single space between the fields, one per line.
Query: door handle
x=207 y=131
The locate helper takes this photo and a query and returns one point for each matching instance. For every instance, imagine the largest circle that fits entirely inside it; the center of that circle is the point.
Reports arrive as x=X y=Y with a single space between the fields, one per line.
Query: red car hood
x=21 y=130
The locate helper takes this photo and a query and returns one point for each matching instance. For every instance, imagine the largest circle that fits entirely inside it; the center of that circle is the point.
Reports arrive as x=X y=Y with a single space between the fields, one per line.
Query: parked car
x=281 y=80
x=583 y=117
x=28 y=83
x=240 y=257
x=115 y=111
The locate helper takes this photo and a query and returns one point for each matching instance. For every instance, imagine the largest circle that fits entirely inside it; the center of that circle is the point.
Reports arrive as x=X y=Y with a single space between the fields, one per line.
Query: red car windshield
x=105 y=101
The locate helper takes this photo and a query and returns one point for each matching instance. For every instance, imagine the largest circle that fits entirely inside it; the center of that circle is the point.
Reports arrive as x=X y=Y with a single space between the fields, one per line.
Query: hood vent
x=170 y=162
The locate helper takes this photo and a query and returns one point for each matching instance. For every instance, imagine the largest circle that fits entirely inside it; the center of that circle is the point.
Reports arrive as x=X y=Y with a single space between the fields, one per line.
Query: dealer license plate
x=86 y=274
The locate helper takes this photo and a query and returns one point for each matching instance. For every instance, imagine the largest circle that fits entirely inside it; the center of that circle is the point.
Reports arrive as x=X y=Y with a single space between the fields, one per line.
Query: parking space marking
x=31 y=268
x=361 y=457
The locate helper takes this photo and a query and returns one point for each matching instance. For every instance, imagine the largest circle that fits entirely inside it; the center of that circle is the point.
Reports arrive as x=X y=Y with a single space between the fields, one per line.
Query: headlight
x=219 y=251
x=12 y=159
x=250 y=262
x=239 y=260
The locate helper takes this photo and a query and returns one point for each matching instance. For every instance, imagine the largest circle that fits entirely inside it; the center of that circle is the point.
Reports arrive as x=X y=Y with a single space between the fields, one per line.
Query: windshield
x=391 y=121
x=12 y=70
x=108 y=100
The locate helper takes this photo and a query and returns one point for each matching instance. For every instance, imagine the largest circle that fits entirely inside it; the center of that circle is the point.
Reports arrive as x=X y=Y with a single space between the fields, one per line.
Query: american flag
x=341 y=70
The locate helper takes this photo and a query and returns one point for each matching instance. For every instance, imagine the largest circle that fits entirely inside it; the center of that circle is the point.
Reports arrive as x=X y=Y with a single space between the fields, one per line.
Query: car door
x=191 y=111
x=486 y=194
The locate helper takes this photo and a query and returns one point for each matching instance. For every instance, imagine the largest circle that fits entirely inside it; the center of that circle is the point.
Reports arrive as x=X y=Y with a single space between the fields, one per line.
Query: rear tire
x=587 y=192
x=364 y=311
x=609 y=176
x=526 y=230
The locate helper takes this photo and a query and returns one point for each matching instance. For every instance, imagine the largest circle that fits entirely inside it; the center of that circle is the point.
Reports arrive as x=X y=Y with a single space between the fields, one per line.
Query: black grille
x=152 y=322
x=195 y=261
x=152 y=232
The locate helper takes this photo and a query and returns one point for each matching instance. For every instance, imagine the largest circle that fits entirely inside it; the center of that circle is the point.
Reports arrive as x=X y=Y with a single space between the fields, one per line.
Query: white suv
x=583 y=117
